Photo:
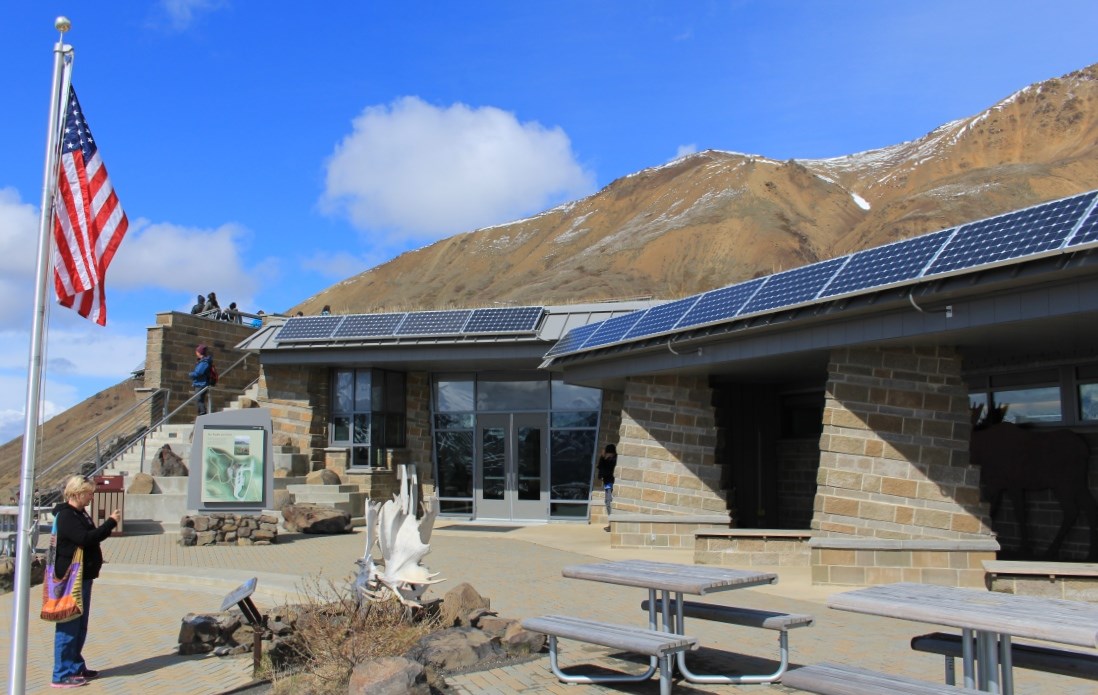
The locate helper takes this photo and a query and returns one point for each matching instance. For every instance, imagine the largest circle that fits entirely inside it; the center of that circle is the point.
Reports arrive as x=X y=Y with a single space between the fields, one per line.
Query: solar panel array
x=495 y=321
x=1063 y=225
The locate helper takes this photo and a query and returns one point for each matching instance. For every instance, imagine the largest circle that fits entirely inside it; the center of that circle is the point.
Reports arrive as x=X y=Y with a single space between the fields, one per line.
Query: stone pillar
x=894 y=466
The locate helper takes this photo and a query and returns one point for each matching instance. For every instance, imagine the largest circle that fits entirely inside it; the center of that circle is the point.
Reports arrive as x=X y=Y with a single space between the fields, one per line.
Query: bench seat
x=747 y=617
x=660 y=646
x=1052 y=660
x=837 y=679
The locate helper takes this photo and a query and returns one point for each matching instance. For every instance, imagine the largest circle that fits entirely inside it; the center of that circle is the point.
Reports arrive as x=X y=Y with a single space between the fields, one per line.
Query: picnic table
x=994 y=618
x=666 y=584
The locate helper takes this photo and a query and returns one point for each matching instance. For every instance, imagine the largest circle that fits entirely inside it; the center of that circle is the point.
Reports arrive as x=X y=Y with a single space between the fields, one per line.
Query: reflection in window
x=1030 y=405
x=570 y=454
x=572 y=397
x=512 y=395
x=455 y=463
x=1088 y=401
x=454 y=394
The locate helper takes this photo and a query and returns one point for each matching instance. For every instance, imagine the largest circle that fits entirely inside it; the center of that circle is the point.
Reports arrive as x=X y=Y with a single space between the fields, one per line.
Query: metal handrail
x=105 y=462
x=104 y=428
x=166 y=418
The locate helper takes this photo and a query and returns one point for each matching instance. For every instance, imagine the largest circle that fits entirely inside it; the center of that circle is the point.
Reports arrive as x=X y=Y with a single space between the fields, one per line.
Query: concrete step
x=308 y=489
x=164 y=508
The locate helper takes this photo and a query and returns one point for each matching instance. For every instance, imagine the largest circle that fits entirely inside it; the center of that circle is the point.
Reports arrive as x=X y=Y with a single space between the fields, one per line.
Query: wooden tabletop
x=1055 y=620
x=669 y=576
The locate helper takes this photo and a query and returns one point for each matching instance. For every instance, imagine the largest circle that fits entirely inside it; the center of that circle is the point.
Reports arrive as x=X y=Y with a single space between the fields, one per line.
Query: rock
x=281 y=499
x=455 y=648
x=517 y=640
x=312 y=518
x=143 y=484
x=459 y=603
x=199 y=628
x=168 y=463
x=325 y=476
x=493 y=626
x=7 y=572
x=391 y=675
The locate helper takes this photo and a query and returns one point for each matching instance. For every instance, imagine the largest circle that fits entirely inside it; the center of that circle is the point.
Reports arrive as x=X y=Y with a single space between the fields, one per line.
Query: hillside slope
x=715 y=218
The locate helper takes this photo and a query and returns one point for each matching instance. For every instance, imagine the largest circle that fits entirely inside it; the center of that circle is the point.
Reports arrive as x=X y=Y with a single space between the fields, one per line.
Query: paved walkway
x=150 y=583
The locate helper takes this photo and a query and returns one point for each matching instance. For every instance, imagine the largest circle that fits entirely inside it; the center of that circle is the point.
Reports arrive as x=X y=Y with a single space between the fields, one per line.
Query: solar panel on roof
x=368 y=325
x=885 y=265
x=301 y=328
x=504 y=319
x=1014 y=235
x=434 y=322
x=1088 y=231
x=573 y=340
x=793 y=287
x=661 y=318
x=612 y=330
x=717 y=305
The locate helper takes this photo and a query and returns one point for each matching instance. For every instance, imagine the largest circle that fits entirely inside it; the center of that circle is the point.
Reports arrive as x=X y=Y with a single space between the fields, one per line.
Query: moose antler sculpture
x=401 y=543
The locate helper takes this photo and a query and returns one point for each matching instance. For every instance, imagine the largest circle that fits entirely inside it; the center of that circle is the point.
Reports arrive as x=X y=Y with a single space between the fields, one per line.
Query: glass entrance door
x=512 y=458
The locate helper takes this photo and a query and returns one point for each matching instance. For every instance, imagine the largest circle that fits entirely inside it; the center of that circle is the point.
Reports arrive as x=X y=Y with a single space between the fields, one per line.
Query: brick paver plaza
x=150 y=583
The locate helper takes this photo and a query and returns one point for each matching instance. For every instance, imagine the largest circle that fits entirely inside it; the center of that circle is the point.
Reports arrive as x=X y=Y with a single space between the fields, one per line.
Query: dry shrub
x=332 y=634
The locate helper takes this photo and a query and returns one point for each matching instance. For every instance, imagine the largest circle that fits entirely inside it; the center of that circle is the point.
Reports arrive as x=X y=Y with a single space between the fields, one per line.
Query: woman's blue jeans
x=68 y=641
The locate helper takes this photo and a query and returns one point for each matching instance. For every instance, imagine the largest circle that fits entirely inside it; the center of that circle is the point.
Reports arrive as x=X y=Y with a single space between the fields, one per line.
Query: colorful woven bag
x=62 y=599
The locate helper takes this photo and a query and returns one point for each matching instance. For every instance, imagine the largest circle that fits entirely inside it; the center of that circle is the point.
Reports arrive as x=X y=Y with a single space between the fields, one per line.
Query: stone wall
x=798 y=464
x=169 y=357
x=418 y=449
x=299 y=399
x=224 y=528
x=894 y=456
x=668 y=481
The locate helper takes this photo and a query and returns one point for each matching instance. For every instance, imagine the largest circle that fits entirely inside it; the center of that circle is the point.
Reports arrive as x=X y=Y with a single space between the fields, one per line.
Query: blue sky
x=268 y=150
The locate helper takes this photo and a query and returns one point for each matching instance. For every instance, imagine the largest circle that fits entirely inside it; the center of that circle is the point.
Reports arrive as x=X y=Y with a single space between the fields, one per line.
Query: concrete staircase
x=161 y=511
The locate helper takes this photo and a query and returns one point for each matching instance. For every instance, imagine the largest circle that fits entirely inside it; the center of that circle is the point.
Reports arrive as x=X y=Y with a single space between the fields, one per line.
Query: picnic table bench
x=658 y=645
x=1050 y=659
x=840 y=679
x=747 y=617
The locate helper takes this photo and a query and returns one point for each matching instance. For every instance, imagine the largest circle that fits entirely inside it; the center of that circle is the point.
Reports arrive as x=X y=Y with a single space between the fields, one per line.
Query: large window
x=1054 y=396
x=368 y=413
x=573 y=431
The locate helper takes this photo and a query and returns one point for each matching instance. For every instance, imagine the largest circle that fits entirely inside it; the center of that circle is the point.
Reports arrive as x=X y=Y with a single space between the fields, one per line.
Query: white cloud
x=685 y=150
x=18 y=256
x=181 y=258
x=183 y=13
x=411 y=171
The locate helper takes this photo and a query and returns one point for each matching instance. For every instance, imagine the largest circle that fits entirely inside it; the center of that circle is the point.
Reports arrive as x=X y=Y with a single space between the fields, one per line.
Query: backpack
x=211 y=379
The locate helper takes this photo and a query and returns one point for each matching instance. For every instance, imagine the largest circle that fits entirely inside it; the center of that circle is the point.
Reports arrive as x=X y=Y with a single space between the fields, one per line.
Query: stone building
x=821 y=414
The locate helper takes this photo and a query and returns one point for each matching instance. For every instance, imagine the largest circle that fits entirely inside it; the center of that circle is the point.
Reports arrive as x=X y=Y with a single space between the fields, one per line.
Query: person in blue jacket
x=200 y=376
x=75 y=529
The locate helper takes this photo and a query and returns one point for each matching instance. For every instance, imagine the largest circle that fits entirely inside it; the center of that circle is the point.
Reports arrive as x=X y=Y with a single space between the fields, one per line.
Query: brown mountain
x=715 y=218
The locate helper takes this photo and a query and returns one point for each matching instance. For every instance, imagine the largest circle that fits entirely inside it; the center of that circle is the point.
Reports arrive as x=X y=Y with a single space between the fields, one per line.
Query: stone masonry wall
x=894 y=449
x=298 y=397
x=418 y=449
x=169 y=357
x=666 y=462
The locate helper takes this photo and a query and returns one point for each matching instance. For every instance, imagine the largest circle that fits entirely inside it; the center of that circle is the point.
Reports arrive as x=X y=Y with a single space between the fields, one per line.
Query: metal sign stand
x=242 y=597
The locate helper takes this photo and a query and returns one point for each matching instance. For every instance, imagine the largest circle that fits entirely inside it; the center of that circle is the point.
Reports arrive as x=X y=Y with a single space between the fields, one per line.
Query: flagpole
x=24 y=547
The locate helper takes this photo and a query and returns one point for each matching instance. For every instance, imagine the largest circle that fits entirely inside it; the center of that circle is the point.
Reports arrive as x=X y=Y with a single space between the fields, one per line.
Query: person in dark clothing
x=607 y=462
x=199 y=306
x=212 y=310
x=75 y=529
x=200 y=377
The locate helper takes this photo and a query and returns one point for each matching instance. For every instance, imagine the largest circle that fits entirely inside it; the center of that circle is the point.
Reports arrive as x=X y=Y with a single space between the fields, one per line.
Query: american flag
x=88 y=221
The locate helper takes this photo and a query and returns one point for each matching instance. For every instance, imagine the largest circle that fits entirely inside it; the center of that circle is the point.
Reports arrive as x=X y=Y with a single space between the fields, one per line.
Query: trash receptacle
x=109 y=495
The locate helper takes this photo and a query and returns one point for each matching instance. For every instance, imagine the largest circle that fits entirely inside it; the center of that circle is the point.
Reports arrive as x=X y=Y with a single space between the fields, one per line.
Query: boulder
x=168 y=463
x=391 y=675
x=493 y=625
x=517 y=640
x=325 y=476
x=459 y=604
x=281 y=499
x=312 y=518
x=455 y=648
x=7 y=572
x=143 y=484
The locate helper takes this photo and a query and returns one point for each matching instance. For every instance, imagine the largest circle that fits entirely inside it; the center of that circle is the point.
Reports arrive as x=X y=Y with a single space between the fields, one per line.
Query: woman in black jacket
x=75 y=529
